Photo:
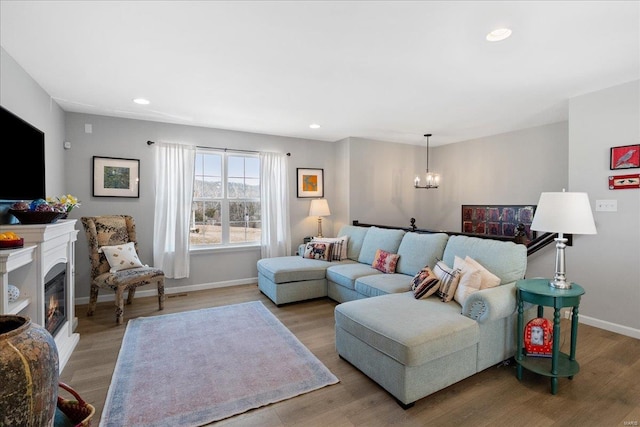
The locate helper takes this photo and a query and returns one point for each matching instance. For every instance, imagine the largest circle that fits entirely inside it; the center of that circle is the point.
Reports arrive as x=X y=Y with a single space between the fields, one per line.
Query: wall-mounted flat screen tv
x=22 y=170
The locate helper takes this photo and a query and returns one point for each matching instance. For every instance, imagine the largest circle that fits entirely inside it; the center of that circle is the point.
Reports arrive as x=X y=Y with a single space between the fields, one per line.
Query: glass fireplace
x=55 y=298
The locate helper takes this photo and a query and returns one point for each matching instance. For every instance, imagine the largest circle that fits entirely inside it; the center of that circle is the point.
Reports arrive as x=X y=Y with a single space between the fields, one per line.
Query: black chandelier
x=432 y=179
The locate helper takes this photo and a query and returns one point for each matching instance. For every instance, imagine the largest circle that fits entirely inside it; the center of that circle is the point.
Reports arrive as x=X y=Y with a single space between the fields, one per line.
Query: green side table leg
x=555 y=351
x=520 y=333
x=574 y=334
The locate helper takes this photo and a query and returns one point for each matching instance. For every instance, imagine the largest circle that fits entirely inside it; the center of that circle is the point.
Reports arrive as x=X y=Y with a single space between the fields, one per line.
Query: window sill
x=222 y=249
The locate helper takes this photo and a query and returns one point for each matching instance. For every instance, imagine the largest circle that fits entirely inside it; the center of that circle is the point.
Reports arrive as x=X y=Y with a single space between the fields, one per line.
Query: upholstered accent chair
x=111 y=231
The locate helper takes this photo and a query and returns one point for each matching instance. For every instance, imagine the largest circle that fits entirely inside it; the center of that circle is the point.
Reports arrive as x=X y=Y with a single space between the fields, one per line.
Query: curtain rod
x=225 y=149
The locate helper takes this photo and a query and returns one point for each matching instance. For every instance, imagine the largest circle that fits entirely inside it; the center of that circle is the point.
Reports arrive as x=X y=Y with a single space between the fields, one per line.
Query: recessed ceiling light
x=141 y=101
x=499 y=34
x=314 y=126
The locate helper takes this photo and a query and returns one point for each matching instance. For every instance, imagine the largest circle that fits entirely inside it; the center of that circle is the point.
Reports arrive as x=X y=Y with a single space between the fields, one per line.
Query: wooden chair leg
x=161 y=294
x=131 y=295
x=119 y=306
x=93 y=299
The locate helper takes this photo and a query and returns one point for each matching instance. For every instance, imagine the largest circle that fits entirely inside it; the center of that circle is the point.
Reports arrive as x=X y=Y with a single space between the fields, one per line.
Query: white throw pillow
x=470 y=280
x=121 y=257
x=338 y=242
x=487 y=278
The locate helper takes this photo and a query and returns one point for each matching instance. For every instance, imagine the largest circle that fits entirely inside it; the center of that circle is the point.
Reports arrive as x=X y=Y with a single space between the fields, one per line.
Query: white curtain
x=174 y=171
x=274 y=180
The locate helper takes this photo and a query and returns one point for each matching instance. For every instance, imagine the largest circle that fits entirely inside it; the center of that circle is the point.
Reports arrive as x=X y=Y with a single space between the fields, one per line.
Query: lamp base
x=560 y=280
x=560 y=284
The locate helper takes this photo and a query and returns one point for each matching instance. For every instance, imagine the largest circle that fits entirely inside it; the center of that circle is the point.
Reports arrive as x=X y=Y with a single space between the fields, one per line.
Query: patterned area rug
x=196 y=367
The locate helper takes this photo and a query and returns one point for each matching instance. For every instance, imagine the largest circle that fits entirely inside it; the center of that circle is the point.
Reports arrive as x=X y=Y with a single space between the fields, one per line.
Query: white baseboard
x=152 y=291
x=608 y=326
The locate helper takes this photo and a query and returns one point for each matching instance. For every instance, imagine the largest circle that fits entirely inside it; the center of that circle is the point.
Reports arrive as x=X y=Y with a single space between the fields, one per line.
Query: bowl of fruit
x=10 y=240
x=36 y=212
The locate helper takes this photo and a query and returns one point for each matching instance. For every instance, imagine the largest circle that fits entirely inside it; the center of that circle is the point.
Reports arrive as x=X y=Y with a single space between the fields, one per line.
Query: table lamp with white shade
x=319 y=208
x=563 y=213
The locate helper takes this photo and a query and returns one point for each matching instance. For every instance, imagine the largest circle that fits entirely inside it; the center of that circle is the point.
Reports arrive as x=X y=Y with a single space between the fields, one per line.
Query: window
x=226 y=199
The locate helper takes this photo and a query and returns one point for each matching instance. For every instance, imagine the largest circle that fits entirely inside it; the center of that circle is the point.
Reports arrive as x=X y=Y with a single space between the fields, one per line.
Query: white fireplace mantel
x=45 y=245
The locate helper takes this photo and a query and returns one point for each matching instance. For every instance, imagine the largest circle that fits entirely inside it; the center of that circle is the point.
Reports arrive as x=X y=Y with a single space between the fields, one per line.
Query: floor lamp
x=319 y=208
x=562 y=213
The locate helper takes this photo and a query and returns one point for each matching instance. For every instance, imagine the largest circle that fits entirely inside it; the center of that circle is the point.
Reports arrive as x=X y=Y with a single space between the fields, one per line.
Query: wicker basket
x=77 y=411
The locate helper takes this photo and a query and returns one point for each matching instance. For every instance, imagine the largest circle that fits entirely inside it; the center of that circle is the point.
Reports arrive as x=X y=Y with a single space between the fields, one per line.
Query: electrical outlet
x=607 y=205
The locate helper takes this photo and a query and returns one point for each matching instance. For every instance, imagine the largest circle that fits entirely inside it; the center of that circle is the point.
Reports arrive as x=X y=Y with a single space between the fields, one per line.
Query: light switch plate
x=606 y=205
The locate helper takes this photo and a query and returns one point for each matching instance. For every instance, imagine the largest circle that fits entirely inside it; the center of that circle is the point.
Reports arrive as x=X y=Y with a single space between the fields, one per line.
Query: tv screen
x=22 y=172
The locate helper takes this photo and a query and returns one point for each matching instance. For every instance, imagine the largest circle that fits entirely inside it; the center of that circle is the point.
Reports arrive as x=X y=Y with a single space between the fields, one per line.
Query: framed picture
x=310 y=183
x=625 y=157
x=622 y=182
x=497 y=220
x=115 y=177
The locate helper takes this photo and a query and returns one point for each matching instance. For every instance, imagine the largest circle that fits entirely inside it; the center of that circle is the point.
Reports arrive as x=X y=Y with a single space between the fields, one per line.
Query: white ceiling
x=386 y=70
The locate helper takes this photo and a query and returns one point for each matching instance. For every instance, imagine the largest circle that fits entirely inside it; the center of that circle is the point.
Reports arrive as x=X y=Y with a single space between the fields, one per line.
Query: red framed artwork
x=625 y=157
x=623 y=182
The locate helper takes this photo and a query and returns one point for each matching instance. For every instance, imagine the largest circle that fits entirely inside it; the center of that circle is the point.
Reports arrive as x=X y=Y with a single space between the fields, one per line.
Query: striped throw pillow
x=449 y=279
x=425 y=283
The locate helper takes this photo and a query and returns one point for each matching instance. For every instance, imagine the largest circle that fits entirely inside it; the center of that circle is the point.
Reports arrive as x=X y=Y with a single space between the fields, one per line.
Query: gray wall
x=21 y=95
x=607 y=265
x=117 y=137
x=510 y=168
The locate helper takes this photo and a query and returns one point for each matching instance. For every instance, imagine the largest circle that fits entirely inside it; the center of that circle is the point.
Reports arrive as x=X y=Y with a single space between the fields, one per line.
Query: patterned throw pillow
x=425 y=283
x=339 y=250
x=385 y=261
x=121 y=257
x=449 y=278
x=318 y=250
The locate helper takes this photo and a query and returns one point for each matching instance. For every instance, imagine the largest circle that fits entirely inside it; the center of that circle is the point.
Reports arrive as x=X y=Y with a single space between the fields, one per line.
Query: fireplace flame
x=53 y=308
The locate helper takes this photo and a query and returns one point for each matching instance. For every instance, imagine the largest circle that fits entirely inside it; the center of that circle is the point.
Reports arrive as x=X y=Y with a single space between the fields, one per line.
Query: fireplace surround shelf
x=46 y=247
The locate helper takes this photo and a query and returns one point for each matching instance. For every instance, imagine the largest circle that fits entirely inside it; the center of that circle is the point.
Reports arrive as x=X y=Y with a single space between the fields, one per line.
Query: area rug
x=201 y=366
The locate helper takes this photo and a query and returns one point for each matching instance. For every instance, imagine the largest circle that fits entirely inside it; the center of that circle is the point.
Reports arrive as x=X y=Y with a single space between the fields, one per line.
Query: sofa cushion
x=506 y=260
x=294 y=268
x=385 y=261
x=346 y=274
x=426 y=330
x=382 y=284
x=356 y=237
x=417 y=250
x=379 y=238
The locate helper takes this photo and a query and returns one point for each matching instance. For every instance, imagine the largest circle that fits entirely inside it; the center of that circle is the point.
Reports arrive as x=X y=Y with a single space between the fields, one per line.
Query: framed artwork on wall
x=625 y=157
x=310 y=183
x=497 y=220
x=116 y=177
x=623 y=182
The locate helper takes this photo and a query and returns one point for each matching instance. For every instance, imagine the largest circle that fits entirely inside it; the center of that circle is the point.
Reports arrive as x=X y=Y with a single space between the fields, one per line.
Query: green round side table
x=539 y=292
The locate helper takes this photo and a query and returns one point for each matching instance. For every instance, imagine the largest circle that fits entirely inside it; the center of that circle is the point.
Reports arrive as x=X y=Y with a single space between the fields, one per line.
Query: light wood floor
x=606 y=391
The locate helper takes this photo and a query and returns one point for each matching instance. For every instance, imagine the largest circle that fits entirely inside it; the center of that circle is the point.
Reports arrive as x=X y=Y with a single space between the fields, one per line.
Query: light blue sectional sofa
x=411 y=347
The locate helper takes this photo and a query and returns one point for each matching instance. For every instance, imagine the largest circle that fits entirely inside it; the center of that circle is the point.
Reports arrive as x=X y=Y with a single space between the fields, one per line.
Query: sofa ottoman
x=427 y=348
x=294 y=278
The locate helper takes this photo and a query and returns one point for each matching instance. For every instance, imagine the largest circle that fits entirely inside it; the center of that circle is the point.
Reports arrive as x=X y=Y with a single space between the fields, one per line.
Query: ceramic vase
x=28 y=373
